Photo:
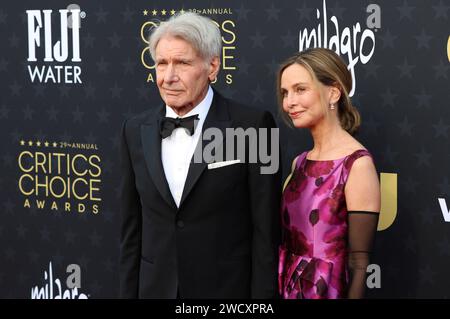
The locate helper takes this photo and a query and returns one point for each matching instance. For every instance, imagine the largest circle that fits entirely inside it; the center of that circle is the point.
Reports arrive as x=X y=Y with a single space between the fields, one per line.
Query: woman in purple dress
x=331 y=199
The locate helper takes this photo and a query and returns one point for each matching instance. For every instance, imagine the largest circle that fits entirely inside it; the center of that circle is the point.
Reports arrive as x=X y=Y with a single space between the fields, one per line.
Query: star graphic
x=305 y=12
x=39 y=90
x=52 y=113
x=3 y=65
x=3 y=17
x=101 y=15
x=89 y=90
x=91 y=138
x=145 y=12
x=114 y=40
x=423 y=99
x=273 y=13
x=4 y=111
x=88 y=40
x=77 y=115
x=423 y=158
x=154 y=12
x=441 y=129
x=15 y=135
x=441 y=69
x=371 y=69
x=15 y=88
x=390 y=155
x=423 y=40
x=444 y=187
x=143 y=92
x=28 y=113
x=45 y=233
x=102 y=65
x=129 y=66
x=388 y=39
x=405 y=127
x=441 y=10
x=242 y=12
x=7 y=159
x=444 y=247
x=172 y=12
x=116 y=91
x=272 y=67
x=8 y=206
x=258 y=94
x=258 y=39
x=405 y=69
x=337 y=10
x=55 y=144
x=70 y=236
x=14 y=41
x=242 y=66
x=289 y=40
x=21 y=231
x=103 y=116
x=115 y=141
x=46 y=144
x=388 y=98
x=426 y=275
x=405 y=10
x=163 y=12
x=95 y=239
x=38 y=143
x=22 y=142
x=127 y=15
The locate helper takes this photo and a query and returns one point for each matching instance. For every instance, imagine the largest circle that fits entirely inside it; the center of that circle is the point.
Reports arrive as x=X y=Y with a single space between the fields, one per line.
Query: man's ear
x=213 y=68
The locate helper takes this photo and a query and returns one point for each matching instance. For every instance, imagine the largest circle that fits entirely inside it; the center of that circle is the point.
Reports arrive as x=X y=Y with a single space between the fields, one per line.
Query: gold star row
x=38 y=143
x=163 y=12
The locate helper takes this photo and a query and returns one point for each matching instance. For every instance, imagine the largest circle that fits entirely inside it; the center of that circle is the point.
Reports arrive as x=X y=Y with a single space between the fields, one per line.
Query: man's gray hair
x=201 y=32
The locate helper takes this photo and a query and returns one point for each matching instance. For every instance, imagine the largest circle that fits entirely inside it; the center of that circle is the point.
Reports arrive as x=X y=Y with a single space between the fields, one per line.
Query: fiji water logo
x=52 y=287
x=354 y=42
x=50 y=61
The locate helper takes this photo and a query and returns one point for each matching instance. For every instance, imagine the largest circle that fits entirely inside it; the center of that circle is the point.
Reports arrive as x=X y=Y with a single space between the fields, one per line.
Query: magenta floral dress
x=313 y=254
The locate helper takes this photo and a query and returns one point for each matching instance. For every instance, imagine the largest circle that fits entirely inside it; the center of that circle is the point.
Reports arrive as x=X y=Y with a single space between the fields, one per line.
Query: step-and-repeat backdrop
x=72 y=72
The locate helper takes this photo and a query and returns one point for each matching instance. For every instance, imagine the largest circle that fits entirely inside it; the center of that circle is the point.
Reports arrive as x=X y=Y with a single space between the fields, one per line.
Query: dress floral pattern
x=313 y=254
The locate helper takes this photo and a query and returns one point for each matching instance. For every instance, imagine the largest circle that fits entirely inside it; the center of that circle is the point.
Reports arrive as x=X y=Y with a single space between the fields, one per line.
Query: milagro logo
x=357 y=44
x=52 y=288
x=54 y=62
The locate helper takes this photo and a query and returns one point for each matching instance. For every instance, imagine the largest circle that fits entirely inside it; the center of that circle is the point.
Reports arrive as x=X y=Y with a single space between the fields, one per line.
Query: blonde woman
x=331 y=200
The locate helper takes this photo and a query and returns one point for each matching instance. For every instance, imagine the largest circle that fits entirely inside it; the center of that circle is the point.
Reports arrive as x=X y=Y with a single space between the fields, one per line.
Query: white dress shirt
x=178 y=148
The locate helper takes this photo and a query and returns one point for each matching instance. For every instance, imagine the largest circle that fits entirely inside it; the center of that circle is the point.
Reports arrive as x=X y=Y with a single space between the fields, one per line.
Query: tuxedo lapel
x=217 y=117
x=151 y=143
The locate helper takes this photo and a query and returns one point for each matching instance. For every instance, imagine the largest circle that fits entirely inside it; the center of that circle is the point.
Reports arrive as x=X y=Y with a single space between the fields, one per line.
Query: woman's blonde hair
x=328 y=68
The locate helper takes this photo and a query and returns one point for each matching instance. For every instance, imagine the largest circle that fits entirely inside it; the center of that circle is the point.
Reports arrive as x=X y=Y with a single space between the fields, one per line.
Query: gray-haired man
x=190 y=229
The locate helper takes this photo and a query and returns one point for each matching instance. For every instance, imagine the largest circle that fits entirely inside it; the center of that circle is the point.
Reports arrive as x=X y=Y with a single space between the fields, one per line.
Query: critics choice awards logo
x=60 y=176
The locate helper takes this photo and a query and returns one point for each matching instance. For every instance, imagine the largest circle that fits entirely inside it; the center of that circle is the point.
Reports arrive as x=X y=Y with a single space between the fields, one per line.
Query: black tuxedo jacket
x=221 y=242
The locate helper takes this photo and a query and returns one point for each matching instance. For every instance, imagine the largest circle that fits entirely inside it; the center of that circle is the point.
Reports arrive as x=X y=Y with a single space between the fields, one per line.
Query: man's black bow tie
x=168 y=124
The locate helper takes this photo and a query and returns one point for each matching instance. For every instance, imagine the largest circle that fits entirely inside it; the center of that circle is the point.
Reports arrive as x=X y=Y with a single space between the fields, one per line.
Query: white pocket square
x=222 y=164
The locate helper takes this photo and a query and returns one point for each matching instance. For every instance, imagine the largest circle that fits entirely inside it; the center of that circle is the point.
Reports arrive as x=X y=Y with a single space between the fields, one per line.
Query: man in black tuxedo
x=192 y=228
